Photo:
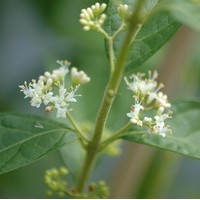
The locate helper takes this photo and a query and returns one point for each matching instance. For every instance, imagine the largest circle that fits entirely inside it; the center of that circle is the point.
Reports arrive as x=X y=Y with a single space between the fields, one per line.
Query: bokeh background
x=33 y=35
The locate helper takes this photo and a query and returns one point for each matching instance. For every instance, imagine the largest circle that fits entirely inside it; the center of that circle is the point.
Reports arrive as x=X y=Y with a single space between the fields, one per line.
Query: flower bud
x=123 y=10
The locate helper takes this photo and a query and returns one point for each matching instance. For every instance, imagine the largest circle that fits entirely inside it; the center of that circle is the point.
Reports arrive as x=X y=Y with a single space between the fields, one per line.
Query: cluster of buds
x=93 y=18
x=98 y=190
x=55 y=180
x=147 y=96
x=42 y=91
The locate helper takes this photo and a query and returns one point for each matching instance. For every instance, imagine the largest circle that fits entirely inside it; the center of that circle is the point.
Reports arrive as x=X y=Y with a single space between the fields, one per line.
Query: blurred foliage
x=34 y=34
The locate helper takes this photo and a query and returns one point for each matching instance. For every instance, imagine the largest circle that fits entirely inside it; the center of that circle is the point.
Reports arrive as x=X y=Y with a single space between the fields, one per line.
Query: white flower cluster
x=148 y=96
x=93 y=17
x=42 y=91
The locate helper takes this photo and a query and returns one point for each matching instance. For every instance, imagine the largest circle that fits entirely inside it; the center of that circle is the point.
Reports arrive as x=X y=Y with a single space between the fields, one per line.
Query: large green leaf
x=185 y=11
x=154 y=33
x=26 y=138
x=186 y=131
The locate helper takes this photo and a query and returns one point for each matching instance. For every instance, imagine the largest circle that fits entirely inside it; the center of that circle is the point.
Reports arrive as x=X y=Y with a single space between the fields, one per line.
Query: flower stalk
x=109 y=95
x=77 y=128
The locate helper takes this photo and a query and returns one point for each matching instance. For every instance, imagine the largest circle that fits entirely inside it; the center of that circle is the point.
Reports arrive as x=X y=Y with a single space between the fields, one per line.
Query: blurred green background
x=33 y=35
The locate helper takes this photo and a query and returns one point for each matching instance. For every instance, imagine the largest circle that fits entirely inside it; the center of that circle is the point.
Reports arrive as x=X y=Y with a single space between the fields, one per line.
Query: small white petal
x=61 y=113
x=48 y=98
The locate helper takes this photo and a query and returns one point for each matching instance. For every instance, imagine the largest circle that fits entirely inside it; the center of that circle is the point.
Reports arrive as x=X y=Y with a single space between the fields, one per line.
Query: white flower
x=161 y=100
x=93 y=17
x=152 y=98
x=61 y=104
x=48 y=98
x=160 y=130
x=61 y=113
x=142 y=86
x=50 y=89
x=64 y=63
x=59 y=74
x=36 y=101
x=159 y=120
x=146 y=86
x=59 y=101
x=135 y=112
x=70 y=97
x=138 y=107
x=159 y=126
x=79 y=77
x=131 y=85
x=37 y=87
x=28 y=91
x=34 y=91
x=62 y=91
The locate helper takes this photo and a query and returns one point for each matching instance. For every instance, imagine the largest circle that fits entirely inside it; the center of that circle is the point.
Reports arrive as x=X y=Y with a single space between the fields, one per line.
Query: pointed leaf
x=26 y=138
x=186 y=131
x=154 y=33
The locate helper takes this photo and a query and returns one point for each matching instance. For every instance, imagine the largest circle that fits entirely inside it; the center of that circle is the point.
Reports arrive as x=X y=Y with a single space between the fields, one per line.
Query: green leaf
x=154 y=33
x=186 y=131
x=26 y=138
x=185 y=11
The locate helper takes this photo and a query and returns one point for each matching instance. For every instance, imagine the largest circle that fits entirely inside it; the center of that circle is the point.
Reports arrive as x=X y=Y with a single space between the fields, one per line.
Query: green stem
x=111 y=55
x=109 y=96
x=121 y=28
x=110 y=49
x=76 y=127
x=110 y=45
x=115 y=136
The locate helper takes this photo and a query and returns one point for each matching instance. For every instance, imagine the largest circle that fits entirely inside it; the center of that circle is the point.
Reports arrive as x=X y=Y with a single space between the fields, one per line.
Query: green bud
x=61 y=194
x=49 y=193
x=63 y=171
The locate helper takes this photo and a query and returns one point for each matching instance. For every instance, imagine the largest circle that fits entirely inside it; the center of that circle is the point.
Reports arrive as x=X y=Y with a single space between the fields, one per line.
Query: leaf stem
x=111 y=55
x=115 y=136
x=121 y=28
x=111 y=48
x=76 y=127
x=109 y=96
